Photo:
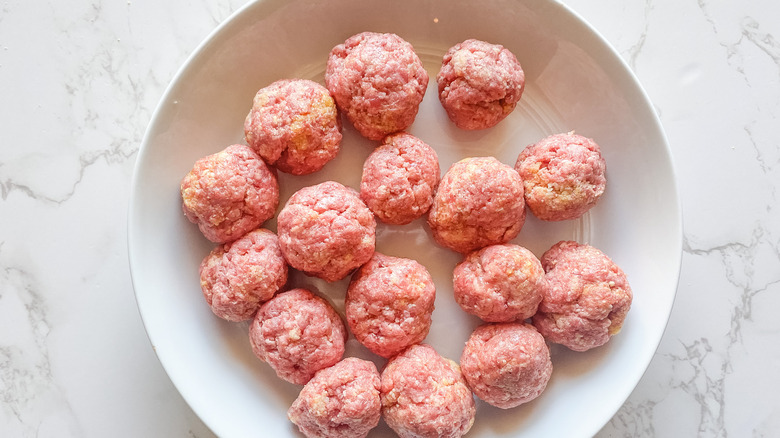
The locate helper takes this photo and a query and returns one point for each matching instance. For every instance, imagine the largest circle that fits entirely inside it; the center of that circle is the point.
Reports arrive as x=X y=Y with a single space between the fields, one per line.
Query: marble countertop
x=80 y=80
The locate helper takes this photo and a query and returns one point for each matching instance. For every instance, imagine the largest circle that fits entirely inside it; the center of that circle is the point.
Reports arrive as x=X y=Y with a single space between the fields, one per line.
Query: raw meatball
x=479 y=84
x=479 y=203
x=586 y=299
x=378 y=82
x=506 y=364
x=563 y=176
x=339 y=402
x=238 y=276
x=326 y=231
x=389 y=304
x=294 y=126
x=499 y=283
x=400 y=178
x=229 y=193
x=424 y=395
x=297 y=334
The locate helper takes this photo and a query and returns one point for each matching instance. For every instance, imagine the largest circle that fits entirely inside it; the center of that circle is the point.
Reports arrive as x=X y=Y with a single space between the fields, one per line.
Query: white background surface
x=79 y=81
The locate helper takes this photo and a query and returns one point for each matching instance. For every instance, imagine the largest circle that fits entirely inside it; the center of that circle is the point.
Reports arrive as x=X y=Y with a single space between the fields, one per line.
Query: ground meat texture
x=479 y=203
x=297 y=334
x=499 y=283
x=586 y=299
x=238 y=276
x=506 y=364
x=389 y=304
x=229 y=193
x=400 y=178
x=339 y=402
x=294 y=126
x=378 y=82
x=424 y=395
x=326 y=231
x=564 y=176
x=479 y=84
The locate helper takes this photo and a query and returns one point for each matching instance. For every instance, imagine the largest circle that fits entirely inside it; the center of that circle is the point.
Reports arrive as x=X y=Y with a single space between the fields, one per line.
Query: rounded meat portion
x=229 y=193
x=425 y=395
x=479 y=84
x=326 y=231
x=479 y=203
x=341 y=401
x=238 y=276
x=400 y=178
x=586 y=298
x=389 y=304
x=377 y=81
x=294 y=126
x=499 y=283
x=297 y=333
x=506 y=364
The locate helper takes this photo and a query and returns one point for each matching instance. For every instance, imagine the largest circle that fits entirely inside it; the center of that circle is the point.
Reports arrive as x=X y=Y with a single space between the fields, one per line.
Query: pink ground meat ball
x=479 y=203
x=378 y=82
x=586 y=299
x=400 y=178
x=564 y=176
x=339 y=402
x=237 y=277
x=297 y=334
x=294 y=126
x=229 y=193
x=326 y=231
x=479 y=84
x=389 y=304
x=424 y=395
x=499 y=283
x=506 y=364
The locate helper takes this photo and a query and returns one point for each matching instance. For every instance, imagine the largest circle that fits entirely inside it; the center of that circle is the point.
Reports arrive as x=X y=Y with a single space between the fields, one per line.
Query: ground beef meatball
x=339 y=402
x=400 y=178
x=326 y=231
x=297 y=333
x=479 y=84
x=499 y=283
x=238 y=276
x=506 y=364
x=563 y=175
x=378 y=82
x=424 y=395
x=586 y=299
x=389 y=304
x=479 y=203
x=294 y=126
x=229 y=193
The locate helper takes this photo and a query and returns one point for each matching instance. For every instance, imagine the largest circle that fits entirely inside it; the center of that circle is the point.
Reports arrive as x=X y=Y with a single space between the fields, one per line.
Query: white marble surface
x=79 y=81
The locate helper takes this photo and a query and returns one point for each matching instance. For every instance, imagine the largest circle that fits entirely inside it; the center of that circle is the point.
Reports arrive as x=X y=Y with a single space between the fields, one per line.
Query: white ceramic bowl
x=574 y=81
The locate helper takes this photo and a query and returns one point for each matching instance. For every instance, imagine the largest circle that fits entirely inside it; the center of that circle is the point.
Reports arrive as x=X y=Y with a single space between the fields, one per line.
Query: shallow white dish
x=574 y=81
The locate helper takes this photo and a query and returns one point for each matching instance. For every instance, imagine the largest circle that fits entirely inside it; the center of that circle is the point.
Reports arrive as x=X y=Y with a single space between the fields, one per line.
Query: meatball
x=425 y=395
x=297 y=333
x=326 y=231
x=400 y=178
x=389 y=304
x=563 y=175
x=229 y=193
x=506 y=364
x=479 y=203
x=378 y=82
x=479 y=84
x=339 y=402
x=586 y=299
x=238 y=276
x=294 y=126
x=499 y=283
